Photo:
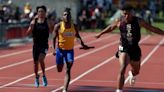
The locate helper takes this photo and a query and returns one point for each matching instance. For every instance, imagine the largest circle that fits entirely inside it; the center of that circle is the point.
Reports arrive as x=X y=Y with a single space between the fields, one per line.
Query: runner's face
x=41 y=13
x=127 y=15
x=66 y=17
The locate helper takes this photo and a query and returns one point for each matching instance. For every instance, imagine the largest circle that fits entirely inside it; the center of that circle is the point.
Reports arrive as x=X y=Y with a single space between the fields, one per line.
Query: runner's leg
x=123 y=60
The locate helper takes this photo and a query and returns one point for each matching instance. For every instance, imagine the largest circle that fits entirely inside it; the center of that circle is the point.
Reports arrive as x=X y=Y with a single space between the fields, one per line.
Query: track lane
x=25 y=57
x=56 y=80
x=108 y=82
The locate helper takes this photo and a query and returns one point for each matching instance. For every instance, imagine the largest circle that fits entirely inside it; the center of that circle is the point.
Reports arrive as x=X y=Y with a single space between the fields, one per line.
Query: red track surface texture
x=94 y=70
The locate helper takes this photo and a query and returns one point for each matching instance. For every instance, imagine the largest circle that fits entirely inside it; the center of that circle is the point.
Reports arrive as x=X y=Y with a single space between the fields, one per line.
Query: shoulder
x=56 y=26
x=33 y=22
x=117 y=22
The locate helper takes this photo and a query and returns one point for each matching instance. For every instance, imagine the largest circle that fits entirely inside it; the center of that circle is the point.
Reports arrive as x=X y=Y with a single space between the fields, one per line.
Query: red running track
x=94 y=70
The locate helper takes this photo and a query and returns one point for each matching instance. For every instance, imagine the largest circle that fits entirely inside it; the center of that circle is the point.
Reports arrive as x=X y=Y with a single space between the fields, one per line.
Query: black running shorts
x=39 y=49
x=134 y=52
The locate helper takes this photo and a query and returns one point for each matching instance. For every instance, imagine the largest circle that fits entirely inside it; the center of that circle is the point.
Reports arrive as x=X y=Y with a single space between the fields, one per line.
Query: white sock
x=130 y=73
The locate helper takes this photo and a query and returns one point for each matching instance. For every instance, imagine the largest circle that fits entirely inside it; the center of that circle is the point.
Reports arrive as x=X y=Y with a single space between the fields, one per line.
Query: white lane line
x=15 y=53
x=152 y=52
x=31 y=86
x=29 y=50
x=114 y=81
x=15 y=64
x=148 y=56
x=28 y=60
x=85 y=73
x=18 y=80
x=51 y=67
x=99 y=65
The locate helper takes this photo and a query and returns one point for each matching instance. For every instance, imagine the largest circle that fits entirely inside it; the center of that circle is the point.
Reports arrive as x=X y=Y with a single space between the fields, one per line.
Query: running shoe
x=44 y=81
x=131 y=79
x=37 y=81
x=118 y=90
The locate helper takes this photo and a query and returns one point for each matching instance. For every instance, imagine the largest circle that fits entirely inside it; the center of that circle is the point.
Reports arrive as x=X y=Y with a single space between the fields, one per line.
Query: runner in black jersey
x=40 y=28
x=129 y=50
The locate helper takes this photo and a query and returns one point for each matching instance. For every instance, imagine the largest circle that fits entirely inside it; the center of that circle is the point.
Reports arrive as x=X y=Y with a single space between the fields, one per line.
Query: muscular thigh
x=69 y=56
x=124 y=58
x=39 y=52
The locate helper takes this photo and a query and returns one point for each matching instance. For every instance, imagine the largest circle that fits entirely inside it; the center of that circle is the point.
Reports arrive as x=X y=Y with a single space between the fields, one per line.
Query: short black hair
x=68 y=10
x=42 y=6
x=127 y=7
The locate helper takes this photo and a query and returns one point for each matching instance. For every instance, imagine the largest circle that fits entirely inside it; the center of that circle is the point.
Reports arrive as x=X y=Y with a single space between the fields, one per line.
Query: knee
x=59 y=68
x=41 y=60
x=68 y=70
x=35 y=63
x=122 y=69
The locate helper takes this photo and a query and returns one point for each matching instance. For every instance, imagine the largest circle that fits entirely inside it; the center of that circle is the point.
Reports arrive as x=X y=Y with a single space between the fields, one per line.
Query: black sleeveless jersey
x=130 y=32
x=40 y=33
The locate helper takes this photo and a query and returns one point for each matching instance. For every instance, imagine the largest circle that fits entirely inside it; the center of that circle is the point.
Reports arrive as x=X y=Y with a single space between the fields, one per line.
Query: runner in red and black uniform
x=40 y=28
x=130 y=37
x=129 y=50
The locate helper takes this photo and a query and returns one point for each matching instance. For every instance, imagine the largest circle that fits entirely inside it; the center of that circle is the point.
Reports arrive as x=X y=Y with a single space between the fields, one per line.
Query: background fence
x=10 y=31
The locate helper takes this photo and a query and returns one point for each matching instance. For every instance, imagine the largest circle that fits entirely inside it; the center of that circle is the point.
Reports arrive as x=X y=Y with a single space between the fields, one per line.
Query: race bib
x=120 y=48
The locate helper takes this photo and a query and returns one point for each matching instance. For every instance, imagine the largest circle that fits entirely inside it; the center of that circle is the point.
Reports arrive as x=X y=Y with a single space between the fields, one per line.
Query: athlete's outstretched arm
x=150 y=27
x=78 y=35
x=79 y=38
x=109 y=28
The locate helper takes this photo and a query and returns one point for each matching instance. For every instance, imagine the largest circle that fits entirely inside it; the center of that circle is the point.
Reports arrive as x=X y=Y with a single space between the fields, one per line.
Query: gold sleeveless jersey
x=66 y=37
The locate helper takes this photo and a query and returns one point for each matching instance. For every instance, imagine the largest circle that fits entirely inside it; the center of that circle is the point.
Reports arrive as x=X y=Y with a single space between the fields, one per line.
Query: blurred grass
x=155 y=24
x=159 y=25
x=143 y=30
